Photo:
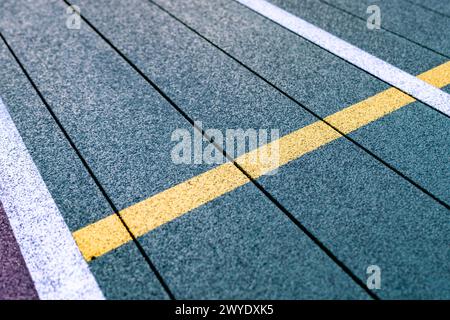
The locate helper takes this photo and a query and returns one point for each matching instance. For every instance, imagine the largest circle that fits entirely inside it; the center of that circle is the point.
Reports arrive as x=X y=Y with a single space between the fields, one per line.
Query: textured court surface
x=93 y=206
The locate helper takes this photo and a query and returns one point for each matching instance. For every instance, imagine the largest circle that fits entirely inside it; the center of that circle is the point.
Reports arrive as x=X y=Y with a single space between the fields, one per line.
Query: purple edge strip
x=15 y=280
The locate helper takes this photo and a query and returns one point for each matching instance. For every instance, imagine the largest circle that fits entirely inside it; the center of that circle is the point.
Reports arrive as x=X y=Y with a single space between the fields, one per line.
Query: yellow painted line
x=107 y=234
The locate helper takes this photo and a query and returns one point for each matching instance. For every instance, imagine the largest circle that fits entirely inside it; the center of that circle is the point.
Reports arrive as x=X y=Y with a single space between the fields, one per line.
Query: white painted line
x=52 y=257
x=407 y=83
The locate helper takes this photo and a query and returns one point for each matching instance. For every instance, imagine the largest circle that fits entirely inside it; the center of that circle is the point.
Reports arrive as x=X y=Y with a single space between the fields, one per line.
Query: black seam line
x=348 y=62
x=427 y=8
x=90 y=171
x=391 y=167
x=390 y=31
x=192 y=122
x=290 y=216
x=297 y=223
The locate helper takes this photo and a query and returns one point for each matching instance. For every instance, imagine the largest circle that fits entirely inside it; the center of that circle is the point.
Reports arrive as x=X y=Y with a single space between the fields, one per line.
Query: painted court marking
x=55 y=264
x=400 y=79
x=107 y=234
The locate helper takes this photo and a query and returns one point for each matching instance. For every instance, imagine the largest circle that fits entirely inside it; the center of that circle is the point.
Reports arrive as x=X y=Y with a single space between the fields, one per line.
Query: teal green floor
x=362 y=201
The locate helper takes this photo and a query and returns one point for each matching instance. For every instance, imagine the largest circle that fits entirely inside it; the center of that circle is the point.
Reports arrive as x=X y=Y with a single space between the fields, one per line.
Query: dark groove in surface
x=428 y=8
x=348 y=62
x=387 y=30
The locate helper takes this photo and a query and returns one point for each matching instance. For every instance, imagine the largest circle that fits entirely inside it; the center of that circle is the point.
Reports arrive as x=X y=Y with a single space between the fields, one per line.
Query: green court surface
x=363 y=171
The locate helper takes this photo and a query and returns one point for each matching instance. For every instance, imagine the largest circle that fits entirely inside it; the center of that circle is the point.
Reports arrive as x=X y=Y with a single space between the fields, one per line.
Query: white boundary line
x=409 y=84
x=56 y=266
